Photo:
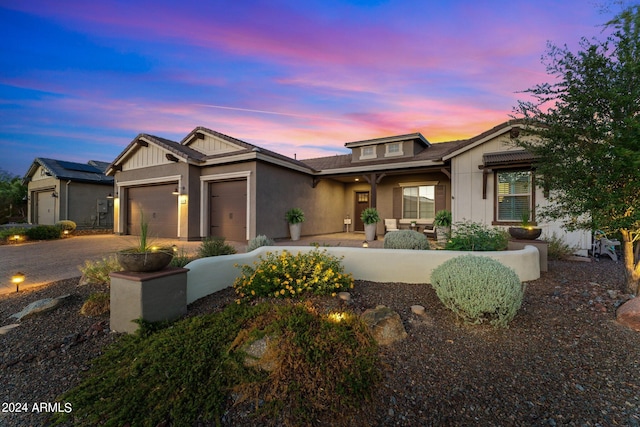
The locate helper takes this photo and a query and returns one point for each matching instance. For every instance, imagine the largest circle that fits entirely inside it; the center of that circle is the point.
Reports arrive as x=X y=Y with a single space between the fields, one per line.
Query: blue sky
x=80 y=79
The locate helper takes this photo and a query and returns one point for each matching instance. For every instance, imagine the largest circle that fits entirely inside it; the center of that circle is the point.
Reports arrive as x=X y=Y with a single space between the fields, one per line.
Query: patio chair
x=602 y=245
x=390 y=225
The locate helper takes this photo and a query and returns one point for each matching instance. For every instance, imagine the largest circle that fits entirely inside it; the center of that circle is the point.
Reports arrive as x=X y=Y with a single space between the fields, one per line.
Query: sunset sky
x=80 y=79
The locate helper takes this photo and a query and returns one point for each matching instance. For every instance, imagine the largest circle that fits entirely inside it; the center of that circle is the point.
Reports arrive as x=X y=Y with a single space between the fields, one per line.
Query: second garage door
x=228 y=210
x=159 y=207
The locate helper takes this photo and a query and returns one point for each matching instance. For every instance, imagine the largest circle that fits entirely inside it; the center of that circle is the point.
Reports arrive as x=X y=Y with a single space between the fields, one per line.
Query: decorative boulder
x=628 y=314
x=261 y=354
x=385 y=325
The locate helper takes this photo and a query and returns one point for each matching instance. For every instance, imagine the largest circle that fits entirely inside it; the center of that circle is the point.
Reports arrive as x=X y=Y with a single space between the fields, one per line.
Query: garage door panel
x=159 y=207
x=228 y=210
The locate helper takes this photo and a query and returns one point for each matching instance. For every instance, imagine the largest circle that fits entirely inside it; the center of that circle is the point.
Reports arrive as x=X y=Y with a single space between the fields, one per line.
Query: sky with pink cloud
x=80 y=79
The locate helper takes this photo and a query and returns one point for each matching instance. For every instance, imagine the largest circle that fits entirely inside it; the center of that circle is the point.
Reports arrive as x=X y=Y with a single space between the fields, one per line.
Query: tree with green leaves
x=587 y=128
x=12 y=197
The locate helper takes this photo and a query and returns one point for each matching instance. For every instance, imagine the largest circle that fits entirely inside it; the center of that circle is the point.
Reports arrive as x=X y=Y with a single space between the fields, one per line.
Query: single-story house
x=62 y=190
x=210 y=184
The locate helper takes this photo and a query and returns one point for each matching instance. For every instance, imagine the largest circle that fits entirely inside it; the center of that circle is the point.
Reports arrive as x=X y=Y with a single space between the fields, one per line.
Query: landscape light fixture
x=365 y=244
x=17 y=279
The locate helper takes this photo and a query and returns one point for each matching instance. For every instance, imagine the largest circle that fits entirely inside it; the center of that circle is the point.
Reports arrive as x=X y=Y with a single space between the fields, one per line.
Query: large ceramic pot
x=370 y=232
x=525 y=233
x=294 y=230
x=144 y=262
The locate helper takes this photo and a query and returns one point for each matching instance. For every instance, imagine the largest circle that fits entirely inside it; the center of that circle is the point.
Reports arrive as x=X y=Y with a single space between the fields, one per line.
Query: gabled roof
x=510 y=126
x=389 y=139
x=91 y=172
x=180 y=151
x=434 y=153
x=245 y=147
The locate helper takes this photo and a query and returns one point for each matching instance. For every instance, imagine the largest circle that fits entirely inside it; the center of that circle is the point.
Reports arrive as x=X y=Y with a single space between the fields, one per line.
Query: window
x=368 y=152
x=393 y=149
x=418 y=202
x=514 y=197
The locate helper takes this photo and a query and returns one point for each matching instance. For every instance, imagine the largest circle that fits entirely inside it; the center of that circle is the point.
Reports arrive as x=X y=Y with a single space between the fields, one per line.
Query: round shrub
x=405 y=239
x=43 y=232
x=259 y=241
x=66 y=225
x=478 y=289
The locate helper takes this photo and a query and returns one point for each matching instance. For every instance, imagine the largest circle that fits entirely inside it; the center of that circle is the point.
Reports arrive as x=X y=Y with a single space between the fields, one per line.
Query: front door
x=362 y=202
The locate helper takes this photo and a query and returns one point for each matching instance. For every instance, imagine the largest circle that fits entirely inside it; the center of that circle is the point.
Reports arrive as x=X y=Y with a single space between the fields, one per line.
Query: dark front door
x=228 y=210
x=362 y=202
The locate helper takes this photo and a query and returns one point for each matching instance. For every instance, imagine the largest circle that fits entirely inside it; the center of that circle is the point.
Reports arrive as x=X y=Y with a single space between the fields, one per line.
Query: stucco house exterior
x=210 y=184
x=62 y=190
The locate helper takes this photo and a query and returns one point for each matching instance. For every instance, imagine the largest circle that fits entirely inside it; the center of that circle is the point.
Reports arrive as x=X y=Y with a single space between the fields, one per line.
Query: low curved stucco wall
x=209 y=275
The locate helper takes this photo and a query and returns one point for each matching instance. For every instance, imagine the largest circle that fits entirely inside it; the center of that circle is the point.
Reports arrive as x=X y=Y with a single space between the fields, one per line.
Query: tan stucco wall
x=209 y=275
x=279 y=190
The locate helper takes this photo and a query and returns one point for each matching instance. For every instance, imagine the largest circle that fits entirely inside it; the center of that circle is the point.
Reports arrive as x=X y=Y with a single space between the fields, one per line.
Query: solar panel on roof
x=80 y=167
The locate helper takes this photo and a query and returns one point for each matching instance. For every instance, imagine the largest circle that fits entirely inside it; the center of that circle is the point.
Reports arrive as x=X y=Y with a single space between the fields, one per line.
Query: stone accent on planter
x=154 y=297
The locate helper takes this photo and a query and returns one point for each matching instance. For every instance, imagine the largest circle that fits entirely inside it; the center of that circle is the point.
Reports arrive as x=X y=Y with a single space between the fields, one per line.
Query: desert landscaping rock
x=385 y=325
x=562 y=361
x=418 y=310
x=7 y=328
x=628 y=314
x=40 y=306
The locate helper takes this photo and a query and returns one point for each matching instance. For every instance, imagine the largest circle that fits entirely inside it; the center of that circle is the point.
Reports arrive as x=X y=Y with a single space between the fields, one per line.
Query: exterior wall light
x=54 y=195
x=17 y=279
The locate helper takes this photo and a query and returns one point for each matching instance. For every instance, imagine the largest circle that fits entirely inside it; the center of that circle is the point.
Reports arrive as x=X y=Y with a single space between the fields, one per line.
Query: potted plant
x=144 y=257
x=442 y=225
x=370 y=218
x=526 y=231
x=295 y=218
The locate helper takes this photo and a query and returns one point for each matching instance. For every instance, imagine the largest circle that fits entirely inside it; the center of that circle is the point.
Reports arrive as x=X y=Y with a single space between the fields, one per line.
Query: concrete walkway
x=49 y=261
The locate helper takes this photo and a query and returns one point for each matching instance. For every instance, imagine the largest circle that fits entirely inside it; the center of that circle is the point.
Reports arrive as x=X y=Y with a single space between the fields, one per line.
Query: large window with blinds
x=514 y=196
x=418 y=202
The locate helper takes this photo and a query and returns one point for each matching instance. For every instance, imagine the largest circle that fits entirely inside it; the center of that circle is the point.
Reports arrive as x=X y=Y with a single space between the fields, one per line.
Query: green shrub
x=185 y=374
x=98 y=271
x=97 y=304
x=66 y=225
x=8 y=234
x=215 y=246
x=472 y=236
x=558 y=249
x=181 y=258
x=284 y=275
x=43 y=232
x=259 y=241
x=406 y=239
x=478 y=289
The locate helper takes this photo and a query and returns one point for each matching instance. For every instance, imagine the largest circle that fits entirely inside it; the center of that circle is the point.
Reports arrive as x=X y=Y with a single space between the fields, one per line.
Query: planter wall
x=154 y=297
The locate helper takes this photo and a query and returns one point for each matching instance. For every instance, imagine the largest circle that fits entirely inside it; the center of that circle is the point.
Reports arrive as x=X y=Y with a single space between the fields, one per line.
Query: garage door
x=46 y=208
x=228 y=210
x=160 y=209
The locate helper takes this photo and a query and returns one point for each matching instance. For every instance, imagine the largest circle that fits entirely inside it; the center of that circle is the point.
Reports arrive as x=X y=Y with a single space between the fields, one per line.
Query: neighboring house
x=210 y=184
x=61 y=190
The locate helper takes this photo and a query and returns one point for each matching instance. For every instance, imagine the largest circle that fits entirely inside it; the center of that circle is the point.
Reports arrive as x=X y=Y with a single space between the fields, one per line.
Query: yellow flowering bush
x=284 y=275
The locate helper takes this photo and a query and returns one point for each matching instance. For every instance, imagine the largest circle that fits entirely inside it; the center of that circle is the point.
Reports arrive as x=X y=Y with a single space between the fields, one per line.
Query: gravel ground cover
x=563 y=360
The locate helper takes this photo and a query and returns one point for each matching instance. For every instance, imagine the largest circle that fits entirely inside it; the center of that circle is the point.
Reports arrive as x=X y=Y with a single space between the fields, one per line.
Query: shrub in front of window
x=66 y=225
x=43 y=232
x=259 y=241
x=215 y=246
x=478 y=289
x=406 y=239
x=472 y=236
x=284 y=275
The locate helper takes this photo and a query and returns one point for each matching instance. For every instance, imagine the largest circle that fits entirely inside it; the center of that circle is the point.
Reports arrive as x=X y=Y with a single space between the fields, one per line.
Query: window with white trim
x=368 y=152
x=393 y=149
x=514 y=195
x=418 y=202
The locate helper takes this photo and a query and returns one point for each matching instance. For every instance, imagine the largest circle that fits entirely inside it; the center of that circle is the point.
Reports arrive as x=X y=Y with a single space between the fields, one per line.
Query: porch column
x=374 y=179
